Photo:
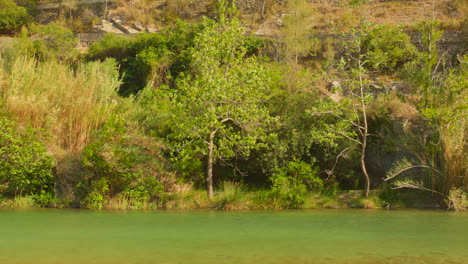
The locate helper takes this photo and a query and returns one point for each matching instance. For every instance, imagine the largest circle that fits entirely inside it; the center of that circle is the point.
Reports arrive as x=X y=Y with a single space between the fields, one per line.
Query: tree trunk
x=364 y=135
x=263 y=9
x=363 y=164
x=209 y=169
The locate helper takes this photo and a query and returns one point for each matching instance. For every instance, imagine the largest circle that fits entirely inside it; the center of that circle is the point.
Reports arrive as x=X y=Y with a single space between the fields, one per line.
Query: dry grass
x=401 y=110
x=68 y=105
x=332 y=17
x=127 y=203
x=454 y=141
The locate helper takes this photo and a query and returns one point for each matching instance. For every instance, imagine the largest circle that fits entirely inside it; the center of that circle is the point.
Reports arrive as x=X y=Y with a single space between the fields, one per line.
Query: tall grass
x=67 y=104
x=232 y=196
x=454 y=142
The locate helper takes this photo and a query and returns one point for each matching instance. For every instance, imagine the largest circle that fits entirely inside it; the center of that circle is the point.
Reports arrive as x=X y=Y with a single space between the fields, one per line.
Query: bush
x=12 y=16
x=45 y=199
x=54 y=41
x=231 y=196
x=457 y=200
x=25 y=166
x=44 y=42
x=387 y=49
x=110 y=46
x=372 y=202
x=292 y=183
x=124 y=165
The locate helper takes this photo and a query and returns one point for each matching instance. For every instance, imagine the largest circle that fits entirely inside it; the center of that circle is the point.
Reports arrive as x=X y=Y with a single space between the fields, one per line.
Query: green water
x=303 y=236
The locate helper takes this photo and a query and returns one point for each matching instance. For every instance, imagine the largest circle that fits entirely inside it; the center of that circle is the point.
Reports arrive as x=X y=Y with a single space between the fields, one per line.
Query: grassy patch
x=233 y=196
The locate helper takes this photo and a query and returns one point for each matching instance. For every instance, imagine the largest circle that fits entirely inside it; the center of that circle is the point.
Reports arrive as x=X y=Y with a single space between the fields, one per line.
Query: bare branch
x=350 y=138
x=330 y=172
x=414 y=186
x=405 y=169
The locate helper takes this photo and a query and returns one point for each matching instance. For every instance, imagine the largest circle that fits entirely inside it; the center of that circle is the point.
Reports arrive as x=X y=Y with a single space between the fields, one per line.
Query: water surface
x=302 y=236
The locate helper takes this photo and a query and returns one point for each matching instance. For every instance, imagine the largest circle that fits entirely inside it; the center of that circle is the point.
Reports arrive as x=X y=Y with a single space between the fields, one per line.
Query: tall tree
x=357 y=89
x=220 y=104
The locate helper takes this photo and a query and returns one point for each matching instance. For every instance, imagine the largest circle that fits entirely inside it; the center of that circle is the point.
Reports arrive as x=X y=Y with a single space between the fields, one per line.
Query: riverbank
x=238 y=200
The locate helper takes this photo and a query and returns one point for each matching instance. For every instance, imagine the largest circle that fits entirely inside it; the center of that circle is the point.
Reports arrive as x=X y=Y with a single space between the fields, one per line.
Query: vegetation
x=366 y=119
x=26 y=166
x=12 y=16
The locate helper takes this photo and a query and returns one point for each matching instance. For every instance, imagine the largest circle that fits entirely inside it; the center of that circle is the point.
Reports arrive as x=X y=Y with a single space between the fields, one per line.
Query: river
x=62 y=236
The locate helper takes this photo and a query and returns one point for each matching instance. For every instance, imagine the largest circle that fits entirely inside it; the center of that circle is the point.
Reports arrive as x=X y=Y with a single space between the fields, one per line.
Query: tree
x=12 y=16
x=219 y=106
x=356 y=85
x=297 y=31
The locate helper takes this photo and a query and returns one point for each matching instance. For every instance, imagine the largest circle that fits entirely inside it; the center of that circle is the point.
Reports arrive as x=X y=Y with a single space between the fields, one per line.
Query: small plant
x=457 y=200
x=371 y=202
x=231 y=196
x=386 y=48
x=23 y=202
x=292 y=183
x=45 y=199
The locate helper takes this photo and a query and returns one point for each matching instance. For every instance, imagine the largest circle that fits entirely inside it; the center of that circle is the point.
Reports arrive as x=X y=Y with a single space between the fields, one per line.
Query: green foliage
x=291 y=184
x=45 y=42
x=226 y=91
x=23 y=202
x=443 y=106
x=110 y=46
x=12 y=16
x=297 y=31
x=387 y=49
x=305 y=126
x=45 y=199
x=96 y=196
x=231 y=196
x=121 y=164
x=155 y=58
x=372 y=202
x=25 y=165
x=54 y=41
x=423 y=72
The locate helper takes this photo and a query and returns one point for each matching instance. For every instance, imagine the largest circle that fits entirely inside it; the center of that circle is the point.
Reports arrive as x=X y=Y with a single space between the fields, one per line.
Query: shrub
x=12 y=16
x=372 y=202
x=110 y=46
x=122 y=164
x=25 y=166
x=387 y=48
x=457 y=199
x=45 y=199
x=292 y=183
x=231 y=196
x=54 y=41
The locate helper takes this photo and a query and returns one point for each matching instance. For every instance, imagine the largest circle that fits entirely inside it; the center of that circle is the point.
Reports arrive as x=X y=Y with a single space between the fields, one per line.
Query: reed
x=233 y=196
x=454 y=141
x=68 y=105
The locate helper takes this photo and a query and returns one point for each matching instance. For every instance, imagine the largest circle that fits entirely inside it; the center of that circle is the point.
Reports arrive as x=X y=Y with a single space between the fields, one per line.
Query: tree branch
x=405 y=169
